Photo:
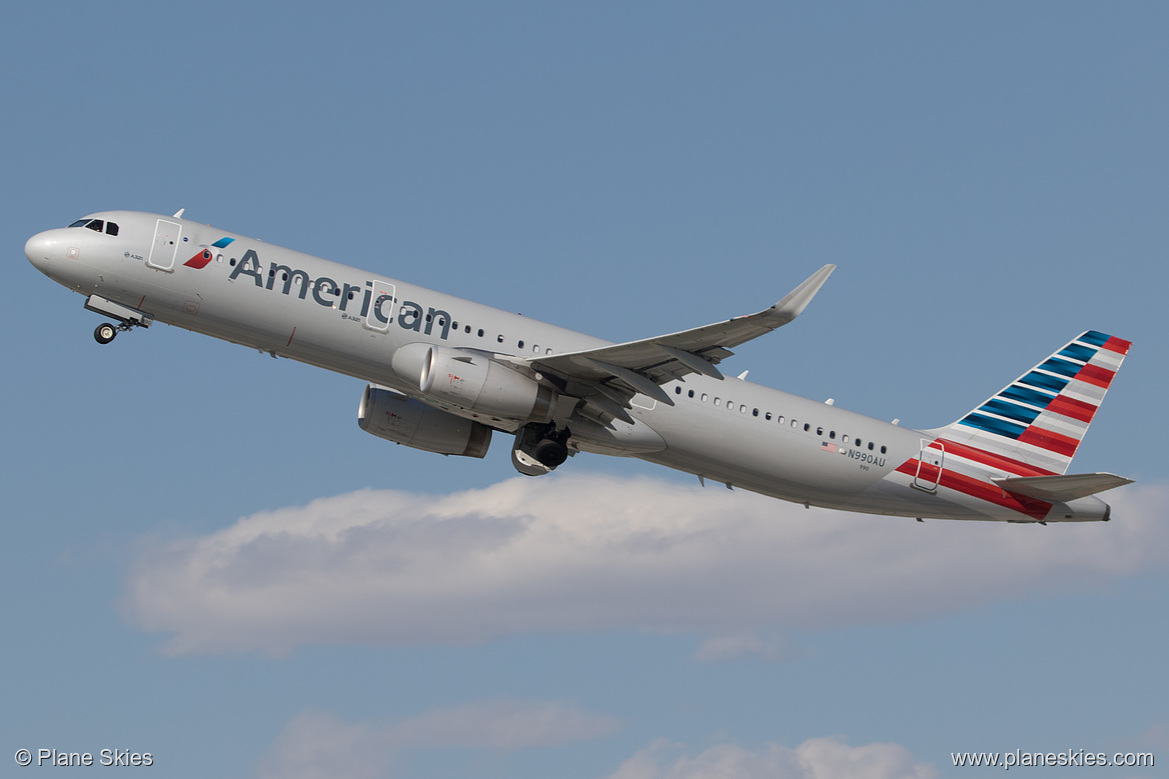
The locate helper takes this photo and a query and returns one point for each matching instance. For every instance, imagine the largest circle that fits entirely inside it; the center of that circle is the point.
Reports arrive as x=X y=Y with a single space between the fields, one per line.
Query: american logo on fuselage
x=200 y=260
x=332 y=294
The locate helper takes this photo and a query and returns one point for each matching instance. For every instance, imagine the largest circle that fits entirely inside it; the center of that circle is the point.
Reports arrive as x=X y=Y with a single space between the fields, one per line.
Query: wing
x=609 y=376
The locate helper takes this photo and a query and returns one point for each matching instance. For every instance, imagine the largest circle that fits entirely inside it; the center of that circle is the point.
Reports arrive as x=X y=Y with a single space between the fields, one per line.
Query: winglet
x=797 y=300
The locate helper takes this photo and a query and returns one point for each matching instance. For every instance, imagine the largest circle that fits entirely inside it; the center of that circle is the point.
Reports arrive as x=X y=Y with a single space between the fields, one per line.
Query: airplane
x=443 y=374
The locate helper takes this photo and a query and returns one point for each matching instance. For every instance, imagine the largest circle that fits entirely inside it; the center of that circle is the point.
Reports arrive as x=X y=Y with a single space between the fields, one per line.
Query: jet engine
x=404 y=420
x=473 y=380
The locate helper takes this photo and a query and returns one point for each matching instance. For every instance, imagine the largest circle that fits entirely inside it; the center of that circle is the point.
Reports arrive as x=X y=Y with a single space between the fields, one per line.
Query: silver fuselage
x=727 y=431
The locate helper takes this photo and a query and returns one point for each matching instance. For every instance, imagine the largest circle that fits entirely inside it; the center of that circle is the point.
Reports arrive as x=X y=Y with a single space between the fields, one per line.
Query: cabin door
x=166 y=244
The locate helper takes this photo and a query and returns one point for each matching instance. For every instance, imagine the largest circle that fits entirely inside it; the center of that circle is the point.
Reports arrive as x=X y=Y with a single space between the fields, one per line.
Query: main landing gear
x=539 y=449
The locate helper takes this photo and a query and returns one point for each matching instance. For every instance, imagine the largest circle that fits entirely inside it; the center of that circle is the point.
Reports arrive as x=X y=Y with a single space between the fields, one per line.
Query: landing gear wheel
x=551 y=452
x=105 y=333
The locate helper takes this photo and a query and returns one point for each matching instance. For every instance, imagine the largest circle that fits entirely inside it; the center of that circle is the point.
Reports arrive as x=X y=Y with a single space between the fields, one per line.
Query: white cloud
x=585 y=552
x=719 y=649
x=817 y=758
x=315 y=745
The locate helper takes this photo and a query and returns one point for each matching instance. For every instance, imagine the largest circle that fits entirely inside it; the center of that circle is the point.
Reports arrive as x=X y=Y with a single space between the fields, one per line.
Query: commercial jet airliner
x=444 y=374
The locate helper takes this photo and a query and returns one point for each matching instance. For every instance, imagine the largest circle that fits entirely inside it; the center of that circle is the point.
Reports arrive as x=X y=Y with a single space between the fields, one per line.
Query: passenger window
x=743 y=409
x=755 y=412
x=690 y=393
x=795 y=424
x=819 y=431
x=535 y=348
x=519 y=345
x=882 y=450
x=767 y=416
x=716 y=401
x=832 y=434
x=499 y=338
x=677 y=390
x=870 y=446
x=779 y=419
x=844 y=439
x=111 y=228
x=704 y=397
x=480 y=332
x=807 y=427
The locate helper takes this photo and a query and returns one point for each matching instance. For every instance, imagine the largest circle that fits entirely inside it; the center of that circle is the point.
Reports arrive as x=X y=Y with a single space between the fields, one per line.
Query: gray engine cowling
x=473 y=380
x=404 y=420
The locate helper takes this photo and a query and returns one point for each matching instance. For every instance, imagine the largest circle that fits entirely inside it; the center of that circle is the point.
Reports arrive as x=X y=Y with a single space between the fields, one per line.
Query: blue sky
x=204 y=558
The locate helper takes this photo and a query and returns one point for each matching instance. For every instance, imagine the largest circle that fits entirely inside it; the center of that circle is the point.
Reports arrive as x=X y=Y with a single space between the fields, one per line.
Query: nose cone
x=39 y=250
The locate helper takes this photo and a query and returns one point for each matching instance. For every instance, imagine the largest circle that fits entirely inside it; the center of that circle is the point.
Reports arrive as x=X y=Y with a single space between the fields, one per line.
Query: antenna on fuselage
x=179 y=213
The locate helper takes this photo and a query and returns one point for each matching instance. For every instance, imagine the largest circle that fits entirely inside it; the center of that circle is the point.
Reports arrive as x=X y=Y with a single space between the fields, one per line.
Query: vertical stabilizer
x=1039 y=419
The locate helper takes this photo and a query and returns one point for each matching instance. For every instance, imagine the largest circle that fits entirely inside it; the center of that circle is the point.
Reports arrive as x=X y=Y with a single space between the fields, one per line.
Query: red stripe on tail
x=1094 y=374
x=998 y=461
x=1052 y=442
x=1070 y=407
x=1118 y=345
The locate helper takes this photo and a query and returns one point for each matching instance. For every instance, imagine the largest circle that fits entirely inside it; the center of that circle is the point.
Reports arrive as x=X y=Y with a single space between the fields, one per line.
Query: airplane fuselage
x=345 y=319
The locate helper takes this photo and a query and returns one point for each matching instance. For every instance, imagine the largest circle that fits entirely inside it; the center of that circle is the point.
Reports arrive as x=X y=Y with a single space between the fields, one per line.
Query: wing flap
x=1062 y=488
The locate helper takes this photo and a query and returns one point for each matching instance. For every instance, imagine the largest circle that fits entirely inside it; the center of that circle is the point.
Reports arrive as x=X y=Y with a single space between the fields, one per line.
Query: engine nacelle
x=473 y=380
x=404 y=420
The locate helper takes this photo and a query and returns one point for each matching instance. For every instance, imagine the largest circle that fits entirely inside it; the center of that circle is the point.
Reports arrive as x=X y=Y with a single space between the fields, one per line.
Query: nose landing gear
x=127 y=318
x=105 y=333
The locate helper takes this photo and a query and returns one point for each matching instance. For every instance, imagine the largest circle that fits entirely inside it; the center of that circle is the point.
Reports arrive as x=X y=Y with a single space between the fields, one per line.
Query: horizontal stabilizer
x=1062 y=488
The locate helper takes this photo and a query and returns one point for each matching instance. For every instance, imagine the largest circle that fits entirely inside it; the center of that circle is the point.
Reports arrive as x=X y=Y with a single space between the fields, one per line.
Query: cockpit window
x=96 y=225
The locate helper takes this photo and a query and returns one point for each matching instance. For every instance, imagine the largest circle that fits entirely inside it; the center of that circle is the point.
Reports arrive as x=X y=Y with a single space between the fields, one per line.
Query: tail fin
x=1040 y=418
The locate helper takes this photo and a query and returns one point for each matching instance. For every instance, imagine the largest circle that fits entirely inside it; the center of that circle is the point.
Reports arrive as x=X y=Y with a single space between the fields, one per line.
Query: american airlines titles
x=330 y=294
